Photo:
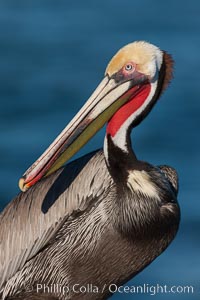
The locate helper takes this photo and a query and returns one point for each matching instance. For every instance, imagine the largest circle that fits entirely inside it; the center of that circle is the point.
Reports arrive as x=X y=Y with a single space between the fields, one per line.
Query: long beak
x=103 y=103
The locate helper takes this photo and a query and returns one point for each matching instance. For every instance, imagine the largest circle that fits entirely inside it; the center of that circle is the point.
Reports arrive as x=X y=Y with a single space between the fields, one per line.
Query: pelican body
x=104 y=217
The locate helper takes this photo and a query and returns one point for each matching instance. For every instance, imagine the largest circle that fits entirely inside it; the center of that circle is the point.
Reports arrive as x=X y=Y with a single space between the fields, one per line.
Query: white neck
x=120 y=138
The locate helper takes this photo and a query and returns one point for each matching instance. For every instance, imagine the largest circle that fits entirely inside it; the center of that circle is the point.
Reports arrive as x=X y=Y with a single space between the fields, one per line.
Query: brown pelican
x=104 y=217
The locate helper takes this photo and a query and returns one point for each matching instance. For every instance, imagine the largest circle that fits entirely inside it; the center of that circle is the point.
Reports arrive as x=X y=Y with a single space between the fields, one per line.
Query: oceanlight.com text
x=151 y=289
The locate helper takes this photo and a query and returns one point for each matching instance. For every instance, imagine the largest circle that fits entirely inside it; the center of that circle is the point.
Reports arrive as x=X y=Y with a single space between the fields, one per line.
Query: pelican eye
x=129 y=67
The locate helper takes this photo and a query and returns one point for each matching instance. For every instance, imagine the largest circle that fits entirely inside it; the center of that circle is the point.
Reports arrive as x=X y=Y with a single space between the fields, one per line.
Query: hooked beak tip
x=22 y=185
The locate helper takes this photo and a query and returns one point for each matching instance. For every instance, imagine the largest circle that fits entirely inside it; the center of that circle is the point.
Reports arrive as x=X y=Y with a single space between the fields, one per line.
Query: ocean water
x=52 y=56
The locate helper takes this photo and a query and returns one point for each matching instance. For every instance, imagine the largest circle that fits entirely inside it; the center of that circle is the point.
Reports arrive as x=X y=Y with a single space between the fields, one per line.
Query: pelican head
x=134 y=80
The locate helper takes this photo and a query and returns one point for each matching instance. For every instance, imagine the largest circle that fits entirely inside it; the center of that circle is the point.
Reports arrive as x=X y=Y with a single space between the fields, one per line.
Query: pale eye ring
x=129 y=67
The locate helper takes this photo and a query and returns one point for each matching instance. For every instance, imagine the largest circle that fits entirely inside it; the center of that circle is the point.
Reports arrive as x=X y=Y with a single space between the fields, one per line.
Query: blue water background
x=52 y=56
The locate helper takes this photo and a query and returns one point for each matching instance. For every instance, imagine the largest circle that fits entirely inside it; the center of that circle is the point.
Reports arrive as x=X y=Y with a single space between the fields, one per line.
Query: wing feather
x=32 y=218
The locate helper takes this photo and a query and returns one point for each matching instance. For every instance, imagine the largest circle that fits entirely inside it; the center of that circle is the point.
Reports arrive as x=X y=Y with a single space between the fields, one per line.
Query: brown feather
x=168 y=70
